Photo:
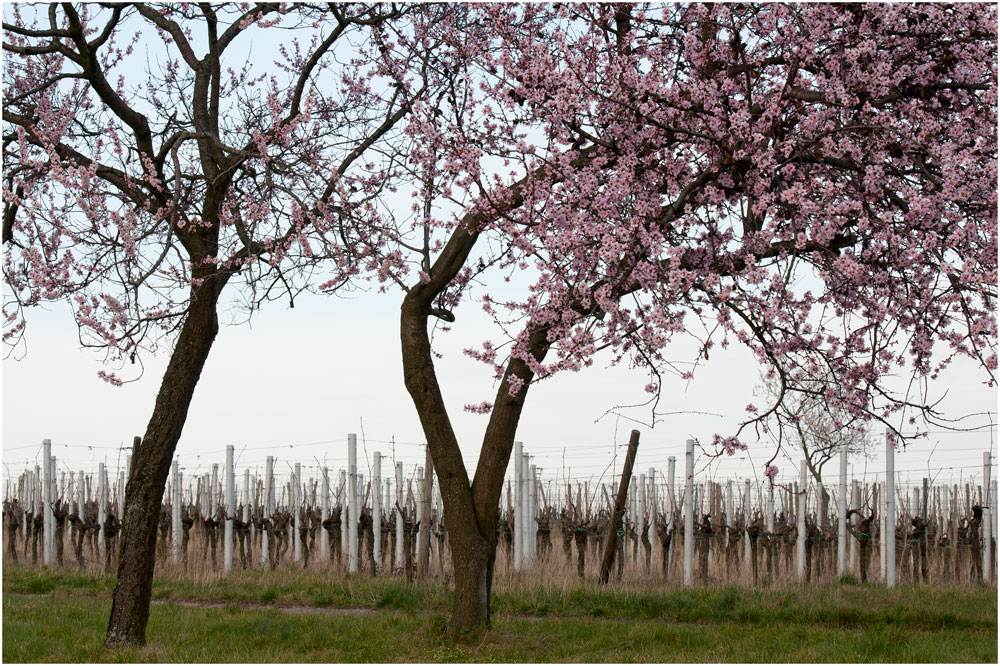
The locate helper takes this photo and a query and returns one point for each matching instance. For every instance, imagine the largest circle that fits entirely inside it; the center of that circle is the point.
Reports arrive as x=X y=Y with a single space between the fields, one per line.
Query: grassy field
x=287 y=616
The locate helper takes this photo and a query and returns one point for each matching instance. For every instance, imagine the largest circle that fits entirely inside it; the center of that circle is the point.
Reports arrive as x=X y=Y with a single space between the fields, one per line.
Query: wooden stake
x=615 y=525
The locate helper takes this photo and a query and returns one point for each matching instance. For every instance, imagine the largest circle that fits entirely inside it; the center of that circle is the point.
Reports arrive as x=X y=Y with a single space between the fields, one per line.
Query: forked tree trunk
x=150 y=467
x=470 y=509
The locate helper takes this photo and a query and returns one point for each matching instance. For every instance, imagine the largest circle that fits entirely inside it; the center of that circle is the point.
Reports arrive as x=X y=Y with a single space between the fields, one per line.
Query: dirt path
x=305 y=609
x=291 y=609
x=294 y=609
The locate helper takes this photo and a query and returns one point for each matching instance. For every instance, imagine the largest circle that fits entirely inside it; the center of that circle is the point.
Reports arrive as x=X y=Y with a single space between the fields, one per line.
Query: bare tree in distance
x=820 y=431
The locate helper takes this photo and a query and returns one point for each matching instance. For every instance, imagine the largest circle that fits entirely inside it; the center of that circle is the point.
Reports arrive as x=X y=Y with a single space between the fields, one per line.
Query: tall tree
x=816 y=182
x=150 y=160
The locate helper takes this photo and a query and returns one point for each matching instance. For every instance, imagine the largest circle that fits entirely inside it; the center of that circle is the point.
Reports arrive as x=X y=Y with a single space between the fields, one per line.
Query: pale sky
x=297 y=381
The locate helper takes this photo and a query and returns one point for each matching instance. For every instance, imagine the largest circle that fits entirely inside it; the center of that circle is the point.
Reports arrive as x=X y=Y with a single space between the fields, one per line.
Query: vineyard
x=387 y=524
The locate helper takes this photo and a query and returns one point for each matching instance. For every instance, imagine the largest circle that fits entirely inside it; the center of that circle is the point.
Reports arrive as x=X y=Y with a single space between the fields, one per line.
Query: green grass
x=61 y=615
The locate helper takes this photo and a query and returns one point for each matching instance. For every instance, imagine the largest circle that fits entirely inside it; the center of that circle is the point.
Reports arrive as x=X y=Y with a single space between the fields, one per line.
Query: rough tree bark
x=151 y=465
x=615 y=523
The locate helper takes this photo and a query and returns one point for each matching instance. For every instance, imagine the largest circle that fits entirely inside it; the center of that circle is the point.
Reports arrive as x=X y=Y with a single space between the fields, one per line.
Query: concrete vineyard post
x=296 y=502
x=855 y=503
x=342 y=500
x=439 y=503
x=399 y=516
x=769 y=516
x=942 y=505
x=212 y=494
x=175 y=513
x=71 y=499
x=842 y=516
x=994 y=512
x=883 y=509
x=120 y=494
x=633 y=513
x=50 y=506
x=290 y=505
x=987 y=520
x=938 y=510
x=387 y=495
x=421 y=519
x=324 y=508
x=672 y=506
x=954 y=518
x=525 y=513
x=801 y=522
x=532 y=513
x=352 y=502
x=202 y=501
x=227 y=544
x=435 y=513
x=529 y=519
x=518 y=513
x=265 y=545
x=426 y=491
x=377 y=509
x=641 y=522
x=48 y=520
x=729 y=507
x=22 y=498
x=48 y=517
x=29 y=500
x=247 y=500
x=689 y=513
x=102 y=507
x=359 y=503
x=890 y=513
x=925 y=493
x=258 y=501
x=654 y=538
x=80 y=496
x=746 y=524
x=53 y=496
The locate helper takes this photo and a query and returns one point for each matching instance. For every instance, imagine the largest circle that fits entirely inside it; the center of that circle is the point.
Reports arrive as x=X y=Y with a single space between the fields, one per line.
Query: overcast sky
x=295 y=382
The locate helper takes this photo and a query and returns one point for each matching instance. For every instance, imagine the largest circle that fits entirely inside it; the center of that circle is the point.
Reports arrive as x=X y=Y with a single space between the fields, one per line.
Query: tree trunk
x=150 y=467
x=470 y=509
x=473 y=560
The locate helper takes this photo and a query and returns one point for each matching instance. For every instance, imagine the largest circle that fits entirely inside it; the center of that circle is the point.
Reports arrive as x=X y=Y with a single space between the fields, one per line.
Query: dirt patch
x=299 y=609
x=291 y=609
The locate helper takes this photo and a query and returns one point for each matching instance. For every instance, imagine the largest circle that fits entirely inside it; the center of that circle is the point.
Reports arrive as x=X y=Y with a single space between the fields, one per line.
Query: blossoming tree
x=815 y=182
x=149 y=162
